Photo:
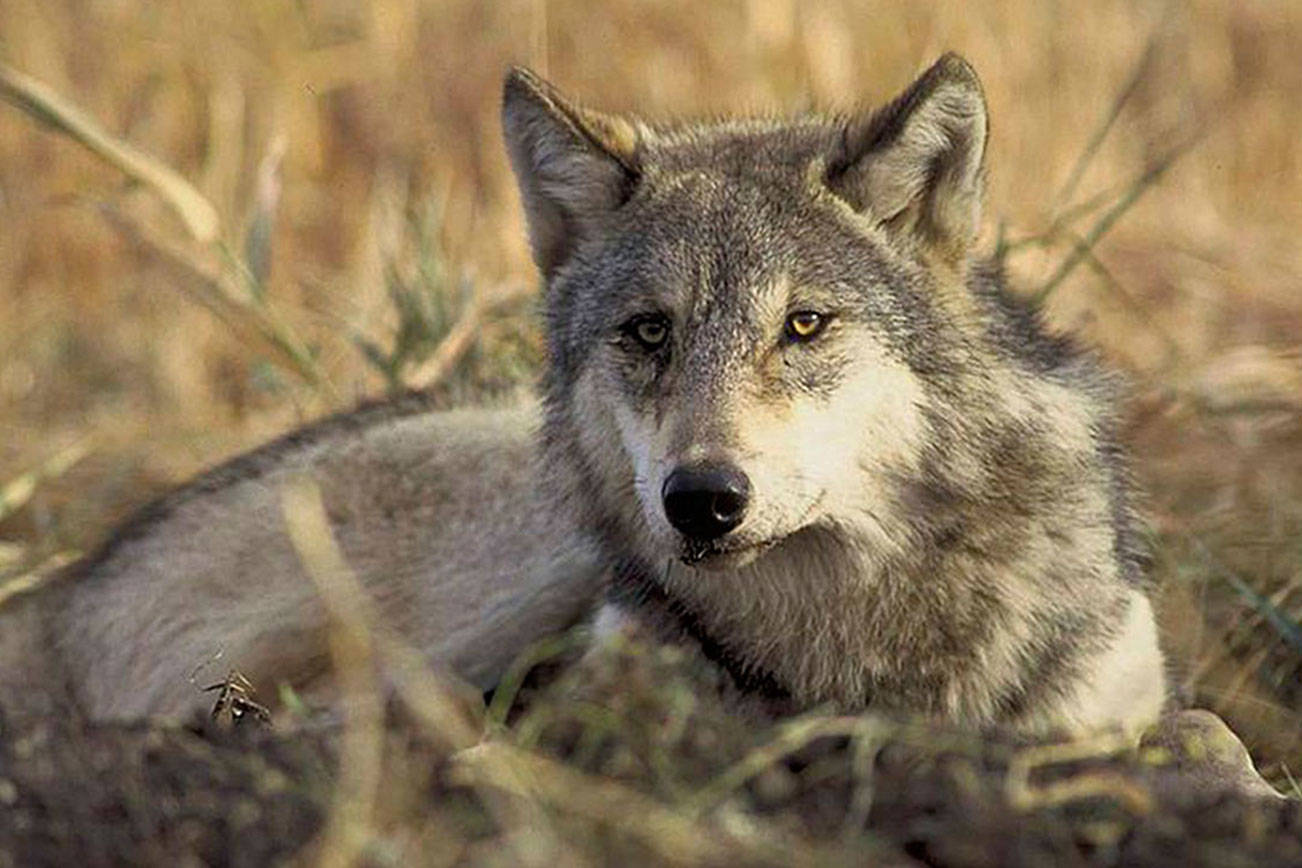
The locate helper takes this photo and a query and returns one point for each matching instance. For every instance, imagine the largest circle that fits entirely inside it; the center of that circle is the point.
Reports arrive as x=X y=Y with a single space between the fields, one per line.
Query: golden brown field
x=1145 y=175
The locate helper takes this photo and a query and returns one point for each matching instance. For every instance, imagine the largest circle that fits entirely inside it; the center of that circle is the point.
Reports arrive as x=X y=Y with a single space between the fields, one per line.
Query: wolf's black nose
x=706 y=501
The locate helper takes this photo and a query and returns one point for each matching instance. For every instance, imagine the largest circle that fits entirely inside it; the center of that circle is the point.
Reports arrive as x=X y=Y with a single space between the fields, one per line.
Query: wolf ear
x=573 y=165
x=916 y=164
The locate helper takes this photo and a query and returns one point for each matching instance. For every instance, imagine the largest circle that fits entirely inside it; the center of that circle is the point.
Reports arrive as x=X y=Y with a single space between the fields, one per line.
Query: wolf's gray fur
x=936 y=516
x=937 y=513
x=438 y=513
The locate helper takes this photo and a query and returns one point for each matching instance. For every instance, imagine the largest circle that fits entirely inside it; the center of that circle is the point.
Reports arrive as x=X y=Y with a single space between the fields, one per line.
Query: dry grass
x=351 y=154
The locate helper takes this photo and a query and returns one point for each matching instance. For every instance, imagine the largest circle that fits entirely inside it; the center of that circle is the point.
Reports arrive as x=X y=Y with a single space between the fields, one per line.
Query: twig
x=1286 y=627
x=1123 y=790
x=459 y=339
x=213 y=289
x=36 y=577
x=868 y=743
x=42 y=103
x=1109 y=219
x=437 y=702
x=198 y=214
x=1025 y=797
x=791 y=737
x=1294 y=789
x=262 y=221
x=1119 y=289
x=508 y=686
x=1060 y=223
x=449 y=351
x=17 y=491
x=1096 y=141
x=675 y=837
x=434 y=700
x=357 y=642
x=361 y=752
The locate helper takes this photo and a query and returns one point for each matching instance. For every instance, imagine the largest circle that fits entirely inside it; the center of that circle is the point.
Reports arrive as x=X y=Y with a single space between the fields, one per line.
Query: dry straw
x=211 y=285
x=42 y=103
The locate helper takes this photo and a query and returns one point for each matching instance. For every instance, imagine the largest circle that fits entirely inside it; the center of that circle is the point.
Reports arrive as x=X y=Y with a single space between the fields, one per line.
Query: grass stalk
x=42 y=103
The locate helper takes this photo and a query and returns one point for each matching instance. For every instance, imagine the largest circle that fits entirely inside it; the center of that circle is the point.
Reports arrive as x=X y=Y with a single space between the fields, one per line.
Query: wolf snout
x=704 y=502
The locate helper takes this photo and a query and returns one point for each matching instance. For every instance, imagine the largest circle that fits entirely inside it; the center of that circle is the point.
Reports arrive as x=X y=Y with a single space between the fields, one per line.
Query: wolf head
x=741 y=316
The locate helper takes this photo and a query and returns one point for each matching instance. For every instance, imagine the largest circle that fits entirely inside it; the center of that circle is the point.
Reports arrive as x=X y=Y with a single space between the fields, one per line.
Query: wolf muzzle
x=705 y=502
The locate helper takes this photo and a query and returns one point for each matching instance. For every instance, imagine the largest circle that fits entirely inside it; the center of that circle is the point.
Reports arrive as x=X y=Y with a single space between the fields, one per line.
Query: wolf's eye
x=650 y=331
x=805 y=325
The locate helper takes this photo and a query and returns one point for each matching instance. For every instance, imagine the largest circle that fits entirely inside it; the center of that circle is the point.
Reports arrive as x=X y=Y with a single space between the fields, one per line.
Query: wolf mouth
x=697 y=551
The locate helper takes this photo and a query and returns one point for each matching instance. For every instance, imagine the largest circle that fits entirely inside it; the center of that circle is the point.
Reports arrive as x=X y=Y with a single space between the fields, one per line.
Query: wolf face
x=743 y=316
x=813 y=430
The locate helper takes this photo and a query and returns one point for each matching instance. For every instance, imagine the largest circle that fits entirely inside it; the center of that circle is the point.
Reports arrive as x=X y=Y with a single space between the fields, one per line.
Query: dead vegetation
x=233 y=217
x=625 y=759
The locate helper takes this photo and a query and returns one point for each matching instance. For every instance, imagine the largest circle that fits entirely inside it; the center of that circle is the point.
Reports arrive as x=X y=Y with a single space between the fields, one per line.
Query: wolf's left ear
x=573 y=165
x=916 y=164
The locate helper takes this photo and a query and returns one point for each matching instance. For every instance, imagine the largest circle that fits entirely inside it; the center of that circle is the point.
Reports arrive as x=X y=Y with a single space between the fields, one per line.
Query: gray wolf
x=787 y=409
x=814 y=430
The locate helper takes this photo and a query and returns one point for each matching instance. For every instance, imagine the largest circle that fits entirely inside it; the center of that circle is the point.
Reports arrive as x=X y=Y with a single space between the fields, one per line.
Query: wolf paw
x=1203 y=750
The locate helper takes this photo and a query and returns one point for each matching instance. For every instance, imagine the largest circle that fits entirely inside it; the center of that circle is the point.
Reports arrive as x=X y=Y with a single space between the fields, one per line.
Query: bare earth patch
x=627 y=759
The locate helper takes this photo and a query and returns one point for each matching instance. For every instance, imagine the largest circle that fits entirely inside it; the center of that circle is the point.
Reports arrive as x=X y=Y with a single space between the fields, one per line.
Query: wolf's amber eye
x=805 y=325
x=649 y=331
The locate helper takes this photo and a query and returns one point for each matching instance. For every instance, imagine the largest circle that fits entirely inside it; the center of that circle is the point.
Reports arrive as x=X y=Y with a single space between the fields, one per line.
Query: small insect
x=235 y=702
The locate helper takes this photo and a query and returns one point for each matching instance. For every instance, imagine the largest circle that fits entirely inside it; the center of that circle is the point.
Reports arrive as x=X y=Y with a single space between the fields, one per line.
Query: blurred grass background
x=365 y=210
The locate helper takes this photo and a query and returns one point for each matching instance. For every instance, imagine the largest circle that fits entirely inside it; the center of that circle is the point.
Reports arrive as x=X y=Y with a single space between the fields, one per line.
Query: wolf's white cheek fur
x=836 y=451
x=645 y=453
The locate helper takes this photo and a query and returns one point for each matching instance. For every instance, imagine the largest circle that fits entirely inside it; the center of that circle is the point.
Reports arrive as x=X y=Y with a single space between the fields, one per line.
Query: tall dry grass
x=351 y=152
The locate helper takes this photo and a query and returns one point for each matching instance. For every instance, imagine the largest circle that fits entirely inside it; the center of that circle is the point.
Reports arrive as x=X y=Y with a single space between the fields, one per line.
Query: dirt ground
x=627 y=760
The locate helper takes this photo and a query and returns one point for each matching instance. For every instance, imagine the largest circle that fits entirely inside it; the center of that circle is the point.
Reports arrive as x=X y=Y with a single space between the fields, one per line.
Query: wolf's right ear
x=573 y=165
